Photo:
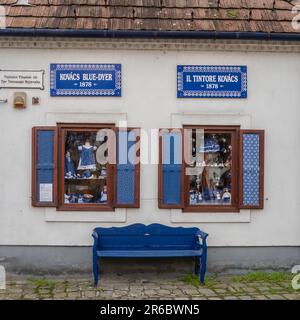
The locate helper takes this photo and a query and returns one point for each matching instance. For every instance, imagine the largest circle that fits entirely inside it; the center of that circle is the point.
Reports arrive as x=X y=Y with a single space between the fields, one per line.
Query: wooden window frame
x=63 y=128
x=234 y=207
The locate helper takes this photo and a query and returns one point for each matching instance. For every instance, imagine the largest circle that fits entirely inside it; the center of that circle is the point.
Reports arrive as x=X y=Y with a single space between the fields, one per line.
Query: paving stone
x=191 y=292
x=14 y=290
x=263 y=289
x=30 y=296
x=275 y=297
x=150 y=292
x=291 y=296
x=138 y=289
x=133 y=287
x=121 y=287
x=286 y=284
x=238 y=286
x=275 y=287
x=198 y=298
x=249 y=289
x=220 y=291
x=260 y=297
x=231 y=289
x=221 y=286
x=163 y=292
x=155 y=287
x=43 y=291
x=15 y=296
x=245 y=297
x=58 y=292
x=72 y=289
x=168 y=287
x=59 y=296
x=74 y=295
x=206 y=292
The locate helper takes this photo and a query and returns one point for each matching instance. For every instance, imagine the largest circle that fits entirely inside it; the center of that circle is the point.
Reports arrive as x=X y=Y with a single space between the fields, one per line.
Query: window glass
x=85 y=174
x=211 y=168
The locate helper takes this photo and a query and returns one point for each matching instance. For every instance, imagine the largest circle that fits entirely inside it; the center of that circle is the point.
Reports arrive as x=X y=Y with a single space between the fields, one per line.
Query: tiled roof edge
x=155 y=34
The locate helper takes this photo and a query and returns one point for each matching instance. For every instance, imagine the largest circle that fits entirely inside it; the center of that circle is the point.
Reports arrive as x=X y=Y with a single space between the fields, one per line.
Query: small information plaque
x=46 y=192
x=22 y=79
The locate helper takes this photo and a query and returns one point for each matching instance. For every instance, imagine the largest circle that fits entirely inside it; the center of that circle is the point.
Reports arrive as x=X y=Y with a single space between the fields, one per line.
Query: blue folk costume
x=87 y=158
x=69 y=168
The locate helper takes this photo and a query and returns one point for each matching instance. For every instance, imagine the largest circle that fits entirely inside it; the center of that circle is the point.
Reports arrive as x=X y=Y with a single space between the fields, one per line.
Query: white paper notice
x=46 y=192
x=22 y=79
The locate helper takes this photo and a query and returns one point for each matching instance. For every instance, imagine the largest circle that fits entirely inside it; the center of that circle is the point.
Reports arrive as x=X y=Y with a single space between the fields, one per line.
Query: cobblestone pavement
x=145 y=286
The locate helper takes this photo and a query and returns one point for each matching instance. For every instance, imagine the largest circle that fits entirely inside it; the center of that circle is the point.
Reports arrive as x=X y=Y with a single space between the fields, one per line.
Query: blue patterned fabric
x=171 y=166
x=69 y=167
x=126 y=168
x=251 y=169
x=45 y=165
x=87 y=158
x=210 y=145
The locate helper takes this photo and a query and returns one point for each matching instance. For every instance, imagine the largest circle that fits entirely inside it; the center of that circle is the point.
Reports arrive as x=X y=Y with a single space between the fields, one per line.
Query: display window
x=211 y=175
x=85 y=167
x=86 y=179
x=211 y=168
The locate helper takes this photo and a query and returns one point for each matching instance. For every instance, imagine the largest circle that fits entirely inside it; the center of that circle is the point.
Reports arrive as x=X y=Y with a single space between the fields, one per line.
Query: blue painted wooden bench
x=152 y=241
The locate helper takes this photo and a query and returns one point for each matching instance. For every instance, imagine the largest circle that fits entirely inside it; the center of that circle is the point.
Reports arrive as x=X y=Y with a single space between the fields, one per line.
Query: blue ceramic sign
x=85 y=80
x=196 y=81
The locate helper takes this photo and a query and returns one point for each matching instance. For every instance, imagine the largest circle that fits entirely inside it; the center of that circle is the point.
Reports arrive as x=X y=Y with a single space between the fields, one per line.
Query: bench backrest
x=151 y=237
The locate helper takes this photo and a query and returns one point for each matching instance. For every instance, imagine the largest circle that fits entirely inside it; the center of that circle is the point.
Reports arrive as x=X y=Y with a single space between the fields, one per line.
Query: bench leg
x=203 y=268
x=95 y=271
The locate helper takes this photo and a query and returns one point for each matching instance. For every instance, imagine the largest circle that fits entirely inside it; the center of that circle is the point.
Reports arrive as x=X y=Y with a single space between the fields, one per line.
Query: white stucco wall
x=149 y=101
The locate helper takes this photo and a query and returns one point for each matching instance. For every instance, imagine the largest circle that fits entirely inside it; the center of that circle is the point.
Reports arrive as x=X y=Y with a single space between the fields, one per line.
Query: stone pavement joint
x=144 y=286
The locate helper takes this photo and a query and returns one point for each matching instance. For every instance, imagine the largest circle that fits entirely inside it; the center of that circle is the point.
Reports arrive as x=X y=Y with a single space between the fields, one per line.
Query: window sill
x=118 y=215
x=179 y=216
x=84 y=207
x=204 y=208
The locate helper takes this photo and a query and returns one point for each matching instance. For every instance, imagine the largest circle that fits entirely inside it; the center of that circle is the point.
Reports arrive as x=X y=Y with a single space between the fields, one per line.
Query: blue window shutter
x=170 y=169
x=251 y=169
x=44 y=163
x=128 y=168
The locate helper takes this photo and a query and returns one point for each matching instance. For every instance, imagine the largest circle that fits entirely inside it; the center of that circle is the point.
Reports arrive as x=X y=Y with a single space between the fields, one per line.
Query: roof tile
x=191 y=15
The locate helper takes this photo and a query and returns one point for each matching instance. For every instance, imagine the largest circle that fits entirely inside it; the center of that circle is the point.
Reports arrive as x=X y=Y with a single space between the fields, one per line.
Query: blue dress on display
x=69 y=168
x=87 y=158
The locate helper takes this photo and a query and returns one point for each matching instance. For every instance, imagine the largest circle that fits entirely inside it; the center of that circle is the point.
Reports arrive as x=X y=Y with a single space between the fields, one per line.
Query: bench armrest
x=96 y=237
x=201 y=237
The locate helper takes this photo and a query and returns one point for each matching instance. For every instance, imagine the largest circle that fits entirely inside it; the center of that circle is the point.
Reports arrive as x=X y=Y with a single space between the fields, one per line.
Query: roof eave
x=154 y=34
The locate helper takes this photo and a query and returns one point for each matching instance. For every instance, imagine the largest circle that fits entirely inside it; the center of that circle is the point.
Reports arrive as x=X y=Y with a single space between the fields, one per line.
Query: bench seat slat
x=148 y=253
